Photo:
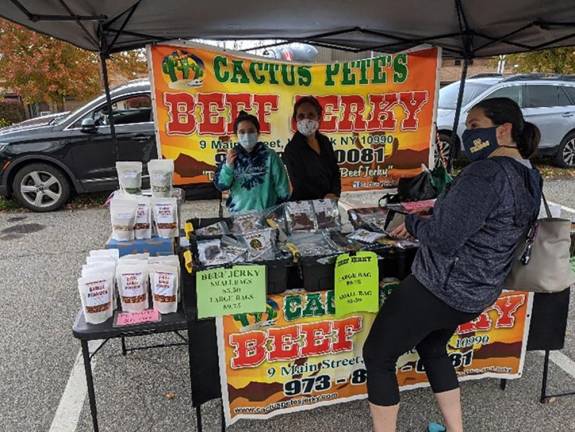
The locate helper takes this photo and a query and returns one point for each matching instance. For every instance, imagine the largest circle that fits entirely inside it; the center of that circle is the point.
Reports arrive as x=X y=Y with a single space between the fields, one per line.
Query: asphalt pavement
x=40 y=259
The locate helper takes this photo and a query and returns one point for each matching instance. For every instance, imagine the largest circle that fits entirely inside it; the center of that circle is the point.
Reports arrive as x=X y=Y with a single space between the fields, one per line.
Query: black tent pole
x=454 y=139
x=103 y=59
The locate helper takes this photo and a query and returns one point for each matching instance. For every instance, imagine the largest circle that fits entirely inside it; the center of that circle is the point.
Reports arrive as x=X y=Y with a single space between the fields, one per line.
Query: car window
x=448 y=94
x=514 y=93
x=569 y=93
x=129 y=110
x=542 y=96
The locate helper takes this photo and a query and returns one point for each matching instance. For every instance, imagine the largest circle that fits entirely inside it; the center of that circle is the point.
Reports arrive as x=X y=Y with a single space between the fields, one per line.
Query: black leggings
x=411 y=317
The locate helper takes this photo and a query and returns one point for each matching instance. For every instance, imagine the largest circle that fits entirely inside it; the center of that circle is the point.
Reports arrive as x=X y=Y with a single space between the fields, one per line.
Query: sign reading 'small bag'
x=378 y=112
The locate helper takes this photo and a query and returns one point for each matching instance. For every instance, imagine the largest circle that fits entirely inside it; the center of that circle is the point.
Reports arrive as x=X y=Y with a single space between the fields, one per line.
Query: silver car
x=546 y=101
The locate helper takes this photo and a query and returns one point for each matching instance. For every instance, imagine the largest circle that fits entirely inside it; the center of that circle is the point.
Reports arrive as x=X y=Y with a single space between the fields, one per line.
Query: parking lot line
x=72 y=400
x=562 y=361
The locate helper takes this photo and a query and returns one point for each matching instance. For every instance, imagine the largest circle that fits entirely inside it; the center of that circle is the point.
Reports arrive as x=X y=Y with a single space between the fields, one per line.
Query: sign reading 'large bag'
x=378 y=112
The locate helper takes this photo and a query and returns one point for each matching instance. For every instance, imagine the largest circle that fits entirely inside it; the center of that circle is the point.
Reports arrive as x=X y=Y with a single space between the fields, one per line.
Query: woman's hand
x=400 y=232
x=231 y=157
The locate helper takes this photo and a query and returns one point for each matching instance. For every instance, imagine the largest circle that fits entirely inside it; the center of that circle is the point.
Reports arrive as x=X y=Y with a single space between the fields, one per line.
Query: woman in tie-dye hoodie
x=253 y=173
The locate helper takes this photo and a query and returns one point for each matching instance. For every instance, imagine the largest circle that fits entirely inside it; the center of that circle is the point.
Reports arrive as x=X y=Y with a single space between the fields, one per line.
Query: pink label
x=416 y=206
x=135 y=318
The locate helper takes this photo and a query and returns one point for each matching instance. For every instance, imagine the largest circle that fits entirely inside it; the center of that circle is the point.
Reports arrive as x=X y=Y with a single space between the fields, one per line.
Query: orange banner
x=297 y=355
x=378 y=112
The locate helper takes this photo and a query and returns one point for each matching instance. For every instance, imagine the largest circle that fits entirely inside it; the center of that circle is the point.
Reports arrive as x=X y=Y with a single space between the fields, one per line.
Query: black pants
x=411 y=317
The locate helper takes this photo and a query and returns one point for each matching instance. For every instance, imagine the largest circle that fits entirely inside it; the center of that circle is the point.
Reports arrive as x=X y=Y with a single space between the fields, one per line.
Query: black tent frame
x=116 y=26
x=107 y=27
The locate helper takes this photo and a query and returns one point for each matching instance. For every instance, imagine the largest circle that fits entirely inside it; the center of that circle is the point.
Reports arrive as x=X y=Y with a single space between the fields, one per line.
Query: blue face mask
x=248 y=141
x=479 y=143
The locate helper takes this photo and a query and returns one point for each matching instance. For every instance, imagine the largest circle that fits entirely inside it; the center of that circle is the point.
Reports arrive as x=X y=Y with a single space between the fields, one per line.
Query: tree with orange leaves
x=43 y=69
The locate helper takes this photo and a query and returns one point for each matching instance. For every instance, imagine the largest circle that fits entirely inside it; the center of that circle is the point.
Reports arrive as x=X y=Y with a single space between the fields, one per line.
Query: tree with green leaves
x=556 y=60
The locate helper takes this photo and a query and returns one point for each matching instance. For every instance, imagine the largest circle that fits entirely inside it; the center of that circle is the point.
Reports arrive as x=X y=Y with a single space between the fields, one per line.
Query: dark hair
x=244 y=116
x=504 y=110
x=308 y=100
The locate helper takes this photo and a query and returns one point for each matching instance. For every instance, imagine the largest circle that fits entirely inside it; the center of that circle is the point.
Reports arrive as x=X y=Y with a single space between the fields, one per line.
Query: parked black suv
x=41 y=166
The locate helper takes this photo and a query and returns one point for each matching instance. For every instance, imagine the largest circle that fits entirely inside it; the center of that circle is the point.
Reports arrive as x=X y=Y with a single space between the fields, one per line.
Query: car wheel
x=565 y=156
x=41 y=187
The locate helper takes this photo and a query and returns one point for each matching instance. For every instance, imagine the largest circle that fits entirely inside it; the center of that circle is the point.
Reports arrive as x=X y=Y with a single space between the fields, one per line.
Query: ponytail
x=528 y=140
x=504 y=110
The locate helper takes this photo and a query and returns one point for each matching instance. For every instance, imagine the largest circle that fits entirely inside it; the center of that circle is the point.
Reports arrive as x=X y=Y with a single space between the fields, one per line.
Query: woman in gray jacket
x=466 y=249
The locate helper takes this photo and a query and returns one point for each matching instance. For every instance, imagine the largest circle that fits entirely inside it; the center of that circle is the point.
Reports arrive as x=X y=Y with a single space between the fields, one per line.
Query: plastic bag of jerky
x=261 y=244
x=245 y=223
x=327 y=214
x=300 y=216
x=312 y=244
x=216 y=229
x=365 y=236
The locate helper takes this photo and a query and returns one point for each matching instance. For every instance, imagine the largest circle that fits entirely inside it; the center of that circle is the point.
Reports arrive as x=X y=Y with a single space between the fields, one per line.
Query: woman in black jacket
x=466 y=251
x=309 y=156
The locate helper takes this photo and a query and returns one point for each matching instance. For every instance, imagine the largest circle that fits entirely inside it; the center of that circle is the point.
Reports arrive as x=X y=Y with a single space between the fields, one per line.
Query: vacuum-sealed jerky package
x=217 y=252
x=312 y=244
x=132 y=279
x=130 y=177
x=274 y=217
x=143 y=226
x=161 y=177
x=340 y=242
x=300 y=216
x=365 y=236
x=261 y=244
x=164 y=286
x=216 y=229
x=96 y=296
x=327 y=214
x=209 y=251
x=123 y=216
x=370 y=218
x=166 y=217
x=245 y=223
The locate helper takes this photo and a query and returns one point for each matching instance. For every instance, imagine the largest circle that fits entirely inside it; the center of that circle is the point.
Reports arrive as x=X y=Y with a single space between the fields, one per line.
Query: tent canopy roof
x=463 y=28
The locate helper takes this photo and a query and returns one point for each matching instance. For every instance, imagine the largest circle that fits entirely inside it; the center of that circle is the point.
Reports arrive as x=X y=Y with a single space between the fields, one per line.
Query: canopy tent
x=463 y=28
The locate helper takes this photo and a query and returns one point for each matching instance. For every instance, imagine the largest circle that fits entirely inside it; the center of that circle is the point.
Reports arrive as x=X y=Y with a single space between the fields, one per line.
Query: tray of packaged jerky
x=244 y=241
x=314 y=231
x=374 y=224
x=206 y=227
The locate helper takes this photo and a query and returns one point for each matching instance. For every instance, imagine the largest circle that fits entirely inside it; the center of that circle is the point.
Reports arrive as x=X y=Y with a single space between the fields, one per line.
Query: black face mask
x=479 y=143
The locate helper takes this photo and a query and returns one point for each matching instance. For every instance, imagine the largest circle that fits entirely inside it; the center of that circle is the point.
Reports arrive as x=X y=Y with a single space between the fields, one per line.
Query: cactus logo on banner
x=378 y=112
x=183 y=69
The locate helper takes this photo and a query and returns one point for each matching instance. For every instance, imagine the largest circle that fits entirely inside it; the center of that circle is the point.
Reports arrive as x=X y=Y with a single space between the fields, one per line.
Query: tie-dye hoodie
x=258 y=180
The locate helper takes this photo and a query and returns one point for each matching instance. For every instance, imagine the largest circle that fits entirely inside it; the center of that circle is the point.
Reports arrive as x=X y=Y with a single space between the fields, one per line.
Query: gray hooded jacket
x=468 y=244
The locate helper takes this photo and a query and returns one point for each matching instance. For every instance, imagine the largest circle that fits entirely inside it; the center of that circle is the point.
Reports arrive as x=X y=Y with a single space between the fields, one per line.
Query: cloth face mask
x=307 y=127
x=248 y=141
x=479 y=143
